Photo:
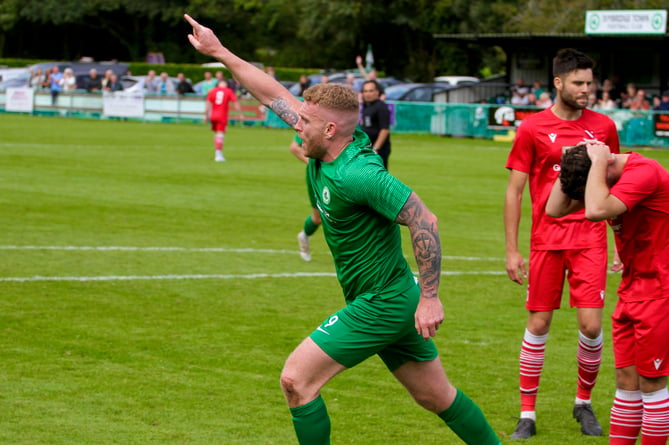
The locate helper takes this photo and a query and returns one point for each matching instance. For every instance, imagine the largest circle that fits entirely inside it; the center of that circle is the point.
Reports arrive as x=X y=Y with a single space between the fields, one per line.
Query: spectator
x=627 y=97
x=639 y=101
x=350 y=80
x=304 y=84
x=94 y=83
x=208 y=83
x=606 y=102
x=592 y=100
x=68 y=82
x=114 y=84
x=537 y=89
x=544 y=100
x=368 y=75
x=664 y=102
x=37 y=79
x=183 y=85
x=612 y=85
x=54 y=83
x=151 y=83
x=106 y=79
x=520 y=93
x=165 y=85
x=271 y=73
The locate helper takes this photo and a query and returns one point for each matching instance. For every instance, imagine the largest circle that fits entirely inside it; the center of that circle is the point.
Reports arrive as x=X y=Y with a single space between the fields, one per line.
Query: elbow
x=595 y=215
x=552 y=213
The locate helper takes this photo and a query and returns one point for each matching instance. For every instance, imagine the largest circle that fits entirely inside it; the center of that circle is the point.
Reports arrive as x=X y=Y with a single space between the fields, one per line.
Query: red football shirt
x=220 y=98
x=537 y=151
x=642 y=233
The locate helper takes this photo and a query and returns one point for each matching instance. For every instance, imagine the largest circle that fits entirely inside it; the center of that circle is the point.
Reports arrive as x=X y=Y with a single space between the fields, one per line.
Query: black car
x=415 y=92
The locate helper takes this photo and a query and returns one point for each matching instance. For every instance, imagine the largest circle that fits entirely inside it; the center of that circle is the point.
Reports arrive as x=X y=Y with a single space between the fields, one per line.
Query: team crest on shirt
x=326 y=195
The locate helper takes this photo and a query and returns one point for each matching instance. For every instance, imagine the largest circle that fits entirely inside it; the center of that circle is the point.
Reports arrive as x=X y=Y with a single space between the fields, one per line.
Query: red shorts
x=641 y=336
x=219 y=126
x=586 y=274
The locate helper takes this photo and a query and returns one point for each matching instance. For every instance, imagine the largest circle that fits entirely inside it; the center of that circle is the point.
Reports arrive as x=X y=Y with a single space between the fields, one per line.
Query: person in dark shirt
x=664 y=102
x=184 y=86
x=376 y=119
x=94 y=82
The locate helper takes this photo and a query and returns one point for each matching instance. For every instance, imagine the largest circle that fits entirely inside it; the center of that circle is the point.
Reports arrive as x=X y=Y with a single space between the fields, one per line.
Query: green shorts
x=380 y=324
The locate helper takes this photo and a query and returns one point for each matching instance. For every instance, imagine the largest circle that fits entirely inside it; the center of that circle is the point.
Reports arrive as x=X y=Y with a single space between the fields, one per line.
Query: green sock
x=309 y=226
x=312 y=423
x=466 y=420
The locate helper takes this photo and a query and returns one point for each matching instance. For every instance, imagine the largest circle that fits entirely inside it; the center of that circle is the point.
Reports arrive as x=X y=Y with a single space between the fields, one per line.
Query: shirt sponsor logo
x=326 y=195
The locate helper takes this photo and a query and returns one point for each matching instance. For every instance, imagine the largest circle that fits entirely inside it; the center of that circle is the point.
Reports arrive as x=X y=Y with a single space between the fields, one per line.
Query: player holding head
x=361 y=206
x=632 y=192
x=573 y=245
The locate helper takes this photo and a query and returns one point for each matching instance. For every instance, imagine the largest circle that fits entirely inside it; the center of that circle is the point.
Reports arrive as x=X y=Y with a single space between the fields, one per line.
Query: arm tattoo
x=283 y=110
x=426 y=244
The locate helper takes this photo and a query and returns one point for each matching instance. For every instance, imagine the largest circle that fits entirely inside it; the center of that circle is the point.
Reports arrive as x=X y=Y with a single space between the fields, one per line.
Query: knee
x=288 y=383
x=591 y=330
x=435 y=401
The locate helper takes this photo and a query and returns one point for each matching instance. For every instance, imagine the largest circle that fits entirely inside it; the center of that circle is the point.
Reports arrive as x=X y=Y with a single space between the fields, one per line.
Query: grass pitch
x=151 y=295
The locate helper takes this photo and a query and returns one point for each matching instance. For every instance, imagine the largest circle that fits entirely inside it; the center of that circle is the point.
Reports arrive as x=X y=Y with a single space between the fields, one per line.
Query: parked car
x=456 y=81
x=80 y=70
x=136 y=83
x=415 y=92
x=385 y=82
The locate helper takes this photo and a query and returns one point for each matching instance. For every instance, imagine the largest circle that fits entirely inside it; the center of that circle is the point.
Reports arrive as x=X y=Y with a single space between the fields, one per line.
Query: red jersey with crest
x=642 y=232
x=537 y=151
x=220 y=98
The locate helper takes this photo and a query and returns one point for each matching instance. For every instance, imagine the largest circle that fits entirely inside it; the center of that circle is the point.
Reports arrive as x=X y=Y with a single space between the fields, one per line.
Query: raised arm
x=559 y=204
x=262 y=86
x=600 y=204
x=422 y=224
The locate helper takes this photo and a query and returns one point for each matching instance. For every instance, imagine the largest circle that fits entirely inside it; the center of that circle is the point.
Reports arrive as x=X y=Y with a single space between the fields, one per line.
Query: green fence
x=487 y=121
x=635 y=128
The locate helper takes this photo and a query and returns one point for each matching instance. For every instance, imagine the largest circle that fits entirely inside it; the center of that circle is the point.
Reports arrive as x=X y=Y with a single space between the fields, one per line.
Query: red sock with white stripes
x=626 y=415
x=218 y=141
x=589 y=357
x=655 y=426
x=532 y=353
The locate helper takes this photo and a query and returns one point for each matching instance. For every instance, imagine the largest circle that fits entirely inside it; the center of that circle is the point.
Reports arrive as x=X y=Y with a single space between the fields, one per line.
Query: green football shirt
x=358 y=201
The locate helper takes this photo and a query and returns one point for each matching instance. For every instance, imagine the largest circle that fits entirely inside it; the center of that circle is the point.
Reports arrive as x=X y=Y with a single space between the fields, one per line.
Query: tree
x=9 y=16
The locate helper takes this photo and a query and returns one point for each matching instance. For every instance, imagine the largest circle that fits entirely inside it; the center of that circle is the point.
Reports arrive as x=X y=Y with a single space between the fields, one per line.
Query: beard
x=573 y=102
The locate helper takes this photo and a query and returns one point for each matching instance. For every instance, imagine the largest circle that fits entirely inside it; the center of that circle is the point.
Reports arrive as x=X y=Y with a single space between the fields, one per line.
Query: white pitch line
x=210 y=277
x=201 y=249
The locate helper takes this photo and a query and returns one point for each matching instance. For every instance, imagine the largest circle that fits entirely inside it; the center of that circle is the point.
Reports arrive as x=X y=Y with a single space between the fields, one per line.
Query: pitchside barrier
x=487 y=121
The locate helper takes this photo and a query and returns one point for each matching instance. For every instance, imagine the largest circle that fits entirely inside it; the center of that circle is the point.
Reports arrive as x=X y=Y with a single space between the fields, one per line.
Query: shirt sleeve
x=384 y=117
x=374 y=187
x=635 y=184
x=522 y=152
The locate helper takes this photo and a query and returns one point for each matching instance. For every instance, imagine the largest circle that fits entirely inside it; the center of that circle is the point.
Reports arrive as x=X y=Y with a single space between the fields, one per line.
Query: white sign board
x=19 y=99
x=631 y=21
x=120 y=104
